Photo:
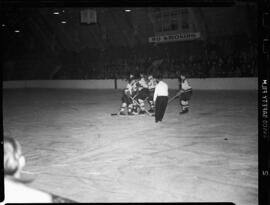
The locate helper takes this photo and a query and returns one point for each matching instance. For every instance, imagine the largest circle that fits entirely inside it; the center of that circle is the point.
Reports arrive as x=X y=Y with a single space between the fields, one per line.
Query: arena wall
x=13 y=84
x=71 y=84
x=196 y=83
x=212 y=83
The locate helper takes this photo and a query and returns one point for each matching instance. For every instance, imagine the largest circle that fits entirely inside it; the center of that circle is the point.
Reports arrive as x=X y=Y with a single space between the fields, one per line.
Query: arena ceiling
x=62 y=28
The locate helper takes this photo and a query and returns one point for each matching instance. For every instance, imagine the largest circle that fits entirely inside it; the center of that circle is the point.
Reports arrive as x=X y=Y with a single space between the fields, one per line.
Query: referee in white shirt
x=160 y=99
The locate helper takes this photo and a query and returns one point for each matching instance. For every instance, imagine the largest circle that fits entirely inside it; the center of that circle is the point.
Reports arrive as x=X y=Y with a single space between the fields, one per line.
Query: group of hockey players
x=139 y=90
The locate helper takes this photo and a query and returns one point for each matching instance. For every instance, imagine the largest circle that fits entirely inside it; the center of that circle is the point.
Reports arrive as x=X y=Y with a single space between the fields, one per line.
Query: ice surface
x=75 y=149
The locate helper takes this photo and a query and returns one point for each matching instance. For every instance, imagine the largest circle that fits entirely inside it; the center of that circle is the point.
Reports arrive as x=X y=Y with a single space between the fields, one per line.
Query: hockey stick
x=174 y=97
x=179 y=94
x=115 y=114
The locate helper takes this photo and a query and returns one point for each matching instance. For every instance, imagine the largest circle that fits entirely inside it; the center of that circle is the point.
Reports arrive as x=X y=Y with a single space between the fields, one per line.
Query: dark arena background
x=64 y=70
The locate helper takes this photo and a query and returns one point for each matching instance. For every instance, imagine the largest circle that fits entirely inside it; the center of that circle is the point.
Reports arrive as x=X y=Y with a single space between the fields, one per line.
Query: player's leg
x=163 y=106
x=130 y=107
x=142 y=106
x=135 y=108
x=184 y=101
x=158 y=109
x=124 y=104
x=150 y=101
x=122 y=108
x=143 y=97
x=134 y=99
x=184 y=106
x=140 y=100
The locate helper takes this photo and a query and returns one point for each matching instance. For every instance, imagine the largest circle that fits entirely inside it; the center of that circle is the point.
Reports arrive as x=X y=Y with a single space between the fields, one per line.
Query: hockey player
x=128 y=92
x=185 y=93
x=152 y=82
x=134 y=93
x=143 y=93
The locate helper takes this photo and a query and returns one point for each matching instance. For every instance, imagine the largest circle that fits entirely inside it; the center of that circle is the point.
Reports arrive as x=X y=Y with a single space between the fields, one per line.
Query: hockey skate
x=151 y=110
x=131 y=113
x=142 y=112
x=183 y=111
x=122 y=113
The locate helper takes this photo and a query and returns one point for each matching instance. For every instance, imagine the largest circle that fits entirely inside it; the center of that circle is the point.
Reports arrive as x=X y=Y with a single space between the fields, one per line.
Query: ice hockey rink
x=74 y=147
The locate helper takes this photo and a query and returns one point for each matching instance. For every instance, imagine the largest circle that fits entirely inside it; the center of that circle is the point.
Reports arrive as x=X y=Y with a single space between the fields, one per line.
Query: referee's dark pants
x=160 y=107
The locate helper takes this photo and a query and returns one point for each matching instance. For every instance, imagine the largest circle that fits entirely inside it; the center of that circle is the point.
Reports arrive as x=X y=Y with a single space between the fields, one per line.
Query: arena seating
x=229 y=56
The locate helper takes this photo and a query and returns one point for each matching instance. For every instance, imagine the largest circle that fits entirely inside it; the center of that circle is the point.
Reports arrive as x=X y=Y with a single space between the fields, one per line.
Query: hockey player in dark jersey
x=185 y=93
